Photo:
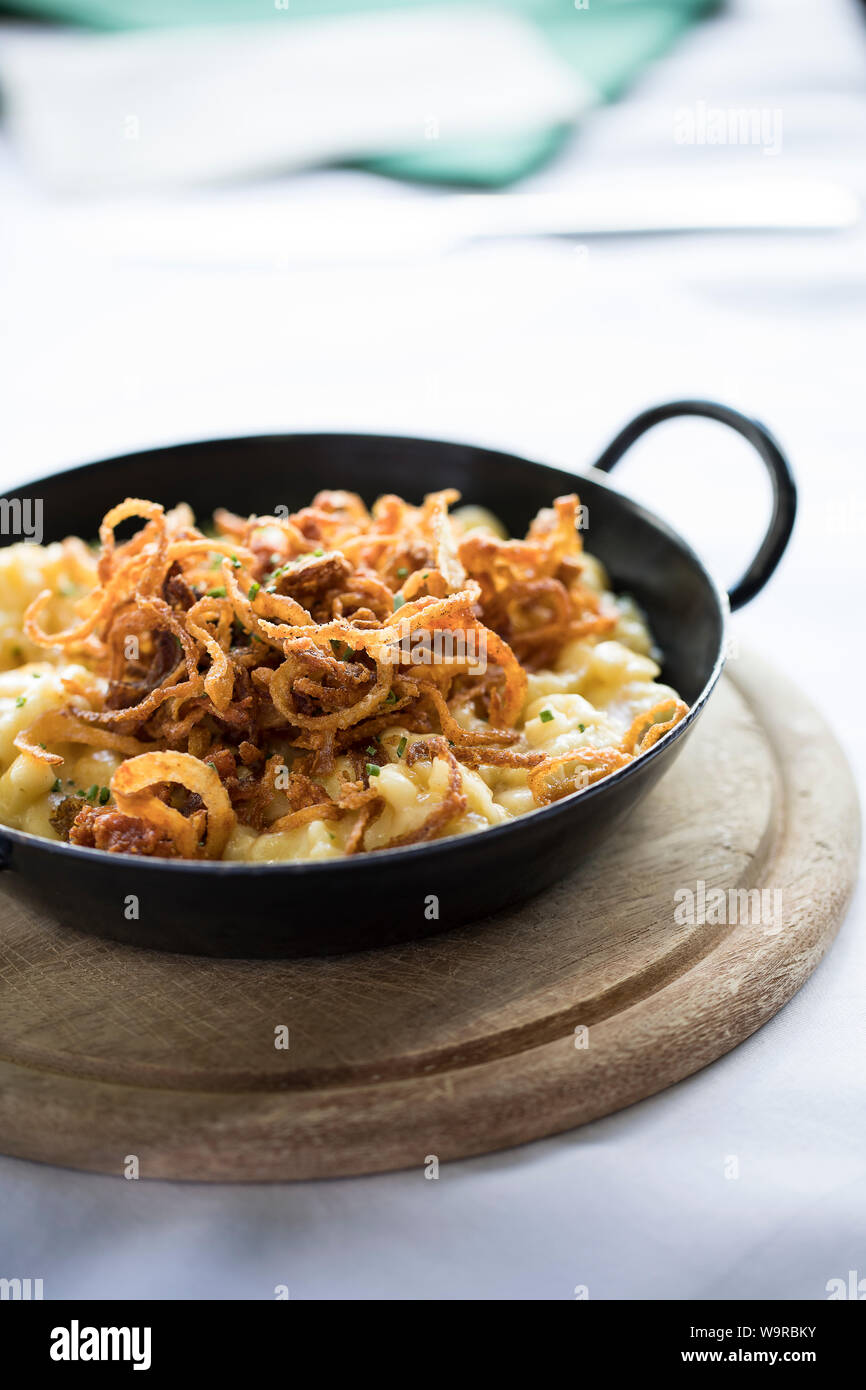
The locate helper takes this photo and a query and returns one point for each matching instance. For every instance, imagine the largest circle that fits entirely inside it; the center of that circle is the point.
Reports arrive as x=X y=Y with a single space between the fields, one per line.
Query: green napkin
x=607 y=44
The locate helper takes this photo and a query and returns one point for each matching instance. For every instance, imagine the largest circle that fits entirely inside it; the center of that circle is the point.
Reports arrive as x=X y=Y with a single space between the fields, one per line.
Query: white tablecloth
x=543 y=349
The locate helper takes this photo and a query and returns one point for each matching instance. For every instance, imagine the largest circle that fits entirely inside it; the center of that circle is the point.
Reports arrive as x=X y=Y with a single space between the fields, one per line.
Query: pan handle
x=781 y=523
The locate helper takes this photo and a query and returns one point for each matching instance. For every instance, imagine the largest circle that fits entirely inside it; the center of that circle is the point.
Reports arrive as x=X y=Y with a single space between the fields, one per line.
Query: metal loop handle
x=784 y=512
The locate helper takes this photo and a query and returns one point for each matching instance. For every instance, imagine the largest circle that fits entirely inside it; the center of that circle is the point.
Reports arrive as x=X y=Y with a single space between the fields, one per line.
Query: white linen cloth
x=167 y=107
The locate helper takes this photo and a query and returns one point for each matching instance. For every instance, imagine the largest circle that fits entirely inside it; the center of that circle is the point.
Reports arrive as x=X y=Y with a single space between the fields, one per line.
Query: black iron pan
x=229 y=909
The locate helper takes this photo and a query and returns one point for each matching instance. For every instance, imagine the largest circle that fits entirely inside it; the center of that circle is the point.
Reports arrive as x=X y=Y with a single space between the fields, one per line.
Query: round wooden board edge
x=278 y=1136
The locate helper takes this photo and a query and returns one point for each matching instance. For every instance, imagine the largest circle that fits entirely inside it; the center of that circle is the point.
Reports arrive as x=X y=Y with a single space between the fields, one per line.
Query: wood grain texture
x=461 y=1043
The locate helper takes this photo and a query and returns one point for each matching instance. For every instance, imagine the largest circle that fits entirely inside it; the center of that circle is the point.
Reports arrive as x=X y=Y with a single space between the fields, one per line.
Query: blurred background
x=513 y=223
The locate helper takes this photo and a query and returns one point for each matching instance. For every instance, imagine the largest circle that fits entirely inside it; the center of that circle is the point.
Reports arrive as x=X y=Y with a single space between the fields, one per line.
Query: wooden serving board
x=461 y=1043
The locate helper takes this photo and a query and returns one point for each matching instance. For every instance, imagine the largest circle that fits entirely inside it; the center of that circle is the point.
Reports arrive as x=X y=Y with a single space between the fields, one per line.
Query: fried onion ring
x=650 y=725
x=131 y=788
x=596 y=762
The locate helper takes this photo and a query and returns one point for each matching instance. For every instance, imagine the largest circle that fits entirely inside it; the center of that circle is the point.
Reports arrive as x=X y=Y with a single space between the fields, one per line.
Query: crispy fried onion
x=652 y=724
x=280 y=688
x=202 y=834
x=64 y=726
x=162 y=617
x=588 y=764
x=220 y=679
x=292 y=820
x=296 y=642
x=532 y=591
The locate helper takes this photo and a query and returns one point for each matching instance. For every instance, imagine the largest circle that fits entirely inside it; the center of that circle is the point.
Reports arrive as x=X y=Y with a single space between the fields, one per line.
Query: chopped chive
x=218 y=592
x=401 y=747
x=253 y=589
x=56 y=785
x=336 y=644
x=545 y=716
x=390 y=698
x=371 y=750
x=20 y=701
x=318 y=552
x=37 y=675
x=91 y=793
x=104 y=794
x=372 y=770
x=582 y=728
x=236 y=564
x=398 y=601
x=402 y=572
